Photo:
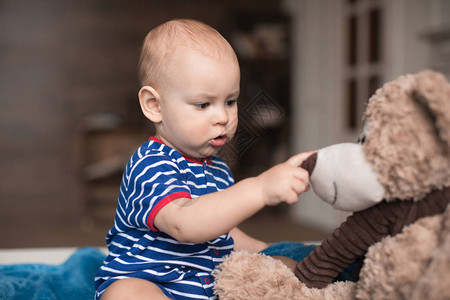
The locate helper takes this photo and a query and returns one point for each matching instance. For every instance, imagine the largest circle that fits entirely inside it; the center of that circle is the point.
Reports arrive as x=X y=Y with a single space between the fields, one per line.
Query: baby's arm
x=243 y=241
x=211 y=215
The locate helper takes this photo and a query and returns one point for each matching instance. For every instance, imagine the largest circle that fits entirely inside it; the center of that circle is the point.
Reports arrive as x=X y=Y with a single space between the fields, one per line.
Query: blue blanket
x=73 y=279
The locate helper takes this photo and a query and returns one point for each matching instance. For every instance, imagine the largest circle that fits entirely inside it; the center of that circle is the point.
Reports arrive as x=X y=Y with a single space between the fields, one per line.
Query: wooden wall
x=63 y=64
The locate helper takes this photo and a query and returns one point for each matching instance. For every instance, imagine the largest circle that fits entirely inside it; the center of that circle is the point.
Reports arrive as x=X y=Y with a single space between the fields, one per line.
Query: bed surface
x=38 y=255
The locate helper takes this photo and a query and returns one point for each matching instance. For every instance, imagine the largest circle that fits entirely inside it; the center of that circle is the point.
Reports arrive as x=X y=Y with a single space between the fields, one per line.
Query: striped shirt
x=154 y=176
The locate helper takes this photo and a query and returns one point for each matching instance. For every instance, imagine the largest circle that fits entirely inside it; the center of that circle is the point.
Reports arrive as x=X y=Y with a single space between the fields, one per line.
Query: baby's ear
x=150 y=103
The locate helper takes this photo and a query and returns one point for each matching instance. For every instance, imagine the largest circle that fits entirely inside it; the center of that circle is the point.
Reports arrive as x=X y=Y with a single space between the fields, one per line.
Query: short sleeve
x=153 y=182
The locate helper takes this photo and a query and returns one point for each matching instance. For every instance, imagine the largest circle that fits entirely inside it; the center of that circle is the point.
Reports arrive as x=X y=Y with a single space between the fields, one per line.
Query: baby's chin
x=210 y=151
x=200 y=155
x=205 y=151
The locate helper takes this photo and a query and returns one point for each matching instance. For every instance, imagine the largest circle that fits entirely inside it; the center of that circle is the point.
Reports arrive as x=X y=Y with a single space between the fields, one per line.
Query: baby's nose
x=221 y=116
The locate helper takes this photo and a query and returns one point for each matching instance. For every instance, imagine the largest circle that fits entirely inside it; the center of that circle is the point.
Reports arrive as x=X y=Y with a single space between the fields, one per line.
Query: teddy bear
x=396 y=183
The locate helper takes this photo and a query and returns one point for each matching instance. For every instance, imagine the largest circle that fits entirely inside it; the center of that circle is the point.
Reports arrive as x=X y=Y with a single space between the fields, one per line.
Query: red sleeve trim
x=163 y=203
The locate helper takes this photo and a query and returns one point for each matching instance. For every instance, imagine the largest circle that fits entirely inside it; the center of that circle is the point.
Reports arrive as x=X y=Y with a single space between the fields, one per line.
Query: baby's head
x=176 y=37
x=189 y=77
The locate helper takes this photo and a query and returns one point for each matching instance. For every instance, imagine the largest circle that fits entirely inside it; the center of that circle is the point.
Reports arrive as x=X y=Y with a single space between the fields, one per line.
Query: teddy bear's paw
x=343 y=290
x=245 y=275
x=251 y=276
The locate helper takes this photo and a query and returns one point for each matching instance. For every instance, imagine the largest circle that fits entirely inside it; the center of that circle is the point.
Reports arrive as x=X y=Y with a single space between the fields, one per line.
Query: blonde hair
x=162 y=42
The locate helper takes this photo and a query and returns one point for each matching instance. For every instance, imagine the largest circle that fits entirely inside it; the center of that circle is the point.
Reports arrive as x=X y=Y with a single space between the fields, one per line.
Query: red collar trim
x=152 y=138
x=206 y=160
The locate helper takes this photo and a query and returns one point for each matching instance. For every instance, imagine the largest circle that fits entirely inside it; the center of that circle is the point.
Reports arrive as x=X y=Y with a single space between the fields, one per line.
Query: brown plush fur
x=414 y=264
x=435 y=280
x=238 y=279
x=406 y=265
x=408 y=144
x=402 y=145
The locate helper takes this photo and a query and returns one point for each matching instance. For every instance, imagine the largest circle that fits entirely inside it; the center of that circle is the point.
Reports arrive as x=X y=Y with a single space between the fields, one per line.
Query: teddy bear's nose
x=309 y=163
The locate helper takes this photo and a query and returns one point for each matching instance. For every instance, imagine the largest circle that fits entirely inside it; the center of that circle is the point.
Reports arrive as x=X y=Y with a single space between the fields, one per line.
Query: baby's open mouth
x=219 y=141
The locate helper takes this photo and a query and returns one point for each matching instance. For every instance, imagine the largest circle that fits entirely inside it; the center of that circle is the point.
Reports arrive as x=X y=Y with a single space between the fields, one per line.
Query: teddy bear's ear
x=408 y=135
x=432 y=95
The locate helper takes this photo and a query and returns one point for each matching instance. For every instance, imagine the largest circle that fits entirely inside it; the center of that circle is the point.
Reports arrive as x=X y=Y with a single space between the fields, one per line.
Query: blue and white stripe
x=157 y=174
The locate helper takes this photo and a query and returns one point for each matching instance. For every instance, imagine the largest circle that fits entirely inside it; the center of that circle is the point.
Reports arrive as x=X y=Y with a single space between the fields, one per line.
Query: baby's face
x=198 y=103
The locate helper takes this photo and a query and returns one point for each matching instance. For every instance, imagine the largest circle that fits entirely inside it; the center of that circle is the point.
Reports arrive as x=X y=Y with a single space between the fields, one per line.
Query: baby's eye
x=230 y=102
x=202 y=105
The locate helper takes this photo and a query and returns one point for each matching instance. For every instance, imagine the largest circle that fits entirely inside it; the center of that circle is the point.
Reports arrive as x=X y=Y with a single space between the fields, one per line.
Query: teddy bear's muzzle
x=342 y=177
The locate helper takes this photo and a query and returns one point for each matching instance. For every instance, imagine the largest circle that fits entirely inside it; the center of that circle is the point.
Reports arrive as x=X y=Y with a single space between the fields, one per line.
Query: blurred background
x=70 y=117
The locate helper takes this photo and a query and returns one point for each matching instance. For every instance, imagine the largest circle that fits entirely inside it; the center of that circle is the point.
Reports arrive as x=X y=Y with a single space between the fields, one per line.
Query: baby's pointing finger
x=297 y=159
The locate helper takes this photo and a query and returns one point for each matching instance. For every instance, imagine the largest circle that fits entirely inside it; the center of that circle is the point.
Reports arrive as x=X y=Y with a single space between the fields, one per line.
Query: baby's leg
x=289 y=262
x=133 y=288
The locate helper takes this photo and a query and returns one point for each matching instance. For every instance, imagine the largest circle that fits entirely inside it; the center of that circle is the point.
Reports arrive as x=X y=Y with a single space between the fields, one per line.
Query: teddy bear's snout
x=309 y=163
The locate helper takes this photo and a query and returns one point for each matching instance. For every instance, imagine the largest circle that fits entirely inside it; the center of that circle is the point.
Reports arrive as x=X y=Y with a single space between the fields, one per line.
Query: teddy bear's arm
x=361 y=230
x=346 y=244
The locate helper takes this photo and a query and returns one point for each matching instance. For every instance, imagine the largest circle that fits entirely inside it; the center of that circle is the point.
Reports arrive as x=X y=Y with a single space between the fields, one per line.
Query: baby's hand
x=284 y=182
